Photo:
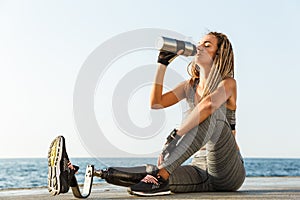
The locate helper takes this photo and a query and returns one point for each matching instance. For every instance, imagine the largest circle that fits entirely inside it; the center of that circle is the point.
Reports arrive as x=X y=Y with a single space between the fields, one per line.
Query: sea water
x=32 y=172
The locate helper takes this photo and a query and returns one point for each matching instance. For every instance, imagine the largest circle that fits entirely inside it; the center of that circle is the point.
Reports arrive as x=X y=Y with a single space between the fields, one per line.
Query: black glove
x=166 y=57
x=170 y=144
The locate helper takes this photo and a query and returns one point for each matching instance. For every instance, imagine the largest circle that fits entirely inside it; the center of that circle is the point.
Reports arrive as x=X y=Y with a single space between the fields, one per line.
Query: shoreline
x=253 y=188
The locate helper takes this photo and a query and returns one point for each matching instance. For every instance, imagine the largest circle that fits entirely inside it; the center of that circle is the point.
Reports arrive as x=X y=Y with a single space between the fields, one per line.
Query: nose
x=199 y=47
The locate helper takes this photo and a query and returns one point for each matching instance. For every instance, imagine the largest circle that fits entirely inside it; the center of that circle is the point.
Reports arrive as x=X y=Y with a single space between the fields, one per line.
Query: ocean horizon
x=32 y=172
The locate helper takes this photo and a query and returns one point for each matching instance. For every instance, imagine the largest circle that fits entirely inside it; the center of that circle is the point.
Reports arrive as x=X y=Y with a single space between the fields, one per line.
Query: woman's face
x=206 y=50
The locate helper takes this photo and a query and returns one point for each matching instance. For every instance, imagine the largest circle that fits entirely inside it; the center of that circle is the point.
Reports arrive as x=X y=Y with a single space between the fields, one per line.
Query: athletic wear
x=166 y=57
x=150 y=186
x=59 y=175
x=230 y=116
x=171 y=142
x=219 y=167
x=190 y=97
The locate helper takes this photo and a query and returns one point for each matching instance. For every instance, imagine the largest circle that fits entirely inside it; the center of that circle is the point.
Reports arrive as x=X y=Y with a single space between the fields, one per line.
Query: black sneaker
x=59 y=174
x=150 y=186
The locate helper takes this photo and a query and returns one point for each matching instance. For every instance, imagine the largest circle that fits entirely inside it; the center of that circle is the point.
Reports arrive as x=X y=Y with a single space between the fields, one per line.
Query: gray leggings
x=222 y=169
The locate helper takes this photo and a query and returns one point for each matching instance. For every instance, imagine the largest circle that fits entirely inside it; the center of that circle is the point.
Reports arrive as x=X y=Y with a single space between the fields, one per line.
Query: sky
x=46 y=47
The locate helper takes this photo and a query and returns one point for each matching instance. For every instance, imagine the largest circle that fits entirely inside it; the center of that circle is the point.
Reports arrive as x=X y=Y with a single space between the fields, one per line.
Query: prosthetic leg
x=87 y=186
x=121 y=176
x=61 y=177
x=125 y=176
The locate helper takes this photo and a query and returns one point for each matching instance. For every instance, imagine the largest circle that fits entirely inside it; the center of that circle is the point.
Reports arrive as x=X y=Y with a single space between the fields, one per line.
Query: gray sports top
x=190 y=94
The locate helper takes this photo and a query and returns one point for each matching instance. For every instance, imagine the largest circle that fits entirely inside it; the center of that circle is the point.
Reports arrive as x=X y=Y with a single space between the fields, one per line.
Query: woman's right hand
x=166 y=57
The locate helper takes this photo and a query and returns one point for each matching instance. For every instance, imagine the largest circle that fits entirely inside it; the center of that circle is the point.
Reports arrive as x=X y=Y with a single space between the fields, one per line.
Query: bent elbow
x=156 y=106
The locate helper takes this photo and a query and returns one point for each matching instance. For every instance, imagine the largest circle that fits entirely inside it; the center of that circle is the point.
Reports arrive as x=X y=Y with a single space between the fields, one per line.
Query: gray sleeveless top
x=190 y=96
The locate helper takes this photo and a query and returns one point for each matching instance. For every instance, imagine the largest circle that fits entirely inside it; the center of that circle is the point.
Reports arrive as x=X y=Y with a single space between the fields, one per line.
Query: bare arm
x=208 y=105
x=159 y=100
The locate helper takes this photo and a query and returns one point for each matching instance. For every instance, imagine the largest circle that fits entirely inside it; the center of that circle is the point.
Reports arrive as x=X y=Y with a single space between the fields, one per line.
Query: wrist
x=175 y=135
x=162 y=66
x=179 y=133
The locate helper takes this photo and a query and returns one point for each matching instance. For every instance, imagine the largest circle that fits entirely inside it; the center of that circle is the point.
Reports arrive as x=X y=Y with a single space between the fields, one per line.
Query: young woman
x=210 y=127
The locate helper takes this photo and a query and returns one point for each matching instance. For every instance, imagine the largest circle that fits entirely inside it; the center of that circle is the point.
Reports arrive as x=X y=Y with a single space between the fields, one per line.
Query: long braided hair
x=222 y=67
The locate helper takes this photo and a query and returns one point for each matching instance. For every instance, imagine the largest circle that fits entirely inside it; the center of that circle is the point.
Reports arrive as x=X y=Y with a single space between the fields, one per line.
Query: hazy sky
x=44 y=45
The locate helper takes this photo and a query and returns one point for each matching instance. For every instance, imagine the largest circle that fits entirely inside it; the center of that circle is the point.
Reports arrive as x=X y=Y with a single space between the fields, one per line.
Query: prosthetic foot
x=60 y=176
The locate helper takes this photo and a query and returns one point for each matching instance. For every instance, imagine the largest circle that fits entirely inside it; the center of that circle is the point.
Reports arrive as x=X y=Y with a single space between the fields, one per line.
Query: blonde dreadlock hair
x=223 y=65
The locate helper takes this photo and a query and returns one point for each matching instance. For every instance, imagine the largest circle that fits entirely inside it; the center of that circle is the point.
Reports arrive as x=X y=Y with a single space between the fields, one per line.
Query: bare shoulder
x=228 y=83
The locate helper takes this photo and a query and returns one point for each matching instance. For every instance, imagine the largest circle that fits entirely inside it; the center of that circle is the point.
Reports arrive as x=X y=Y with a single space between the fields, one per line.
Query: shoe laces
x=150 y=179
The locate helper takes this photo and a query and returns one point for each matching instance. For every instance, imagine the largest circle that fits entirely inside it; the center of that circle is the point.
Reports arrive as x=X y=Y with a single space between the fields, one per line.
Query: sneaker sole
x=54 y=158
x=149 y=194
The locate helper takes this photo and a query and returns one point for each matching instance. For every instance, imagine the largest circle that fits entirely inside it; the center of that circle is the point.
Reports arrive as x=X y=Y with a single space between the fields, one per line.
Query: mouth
x=199 y=53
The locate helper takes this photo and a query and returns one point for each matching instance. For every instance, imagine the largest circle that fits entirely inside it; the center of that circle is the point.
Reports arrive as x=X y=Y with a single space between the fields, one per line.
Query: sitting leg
x=225 y=166
x=213 y=129
x=189 y=178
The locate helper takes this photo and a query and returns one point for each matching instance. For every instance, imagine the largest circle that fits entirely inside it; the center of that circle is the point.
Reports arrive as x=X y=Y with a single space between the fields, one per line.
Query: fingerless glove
x=166 y=57
x=171 y=142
